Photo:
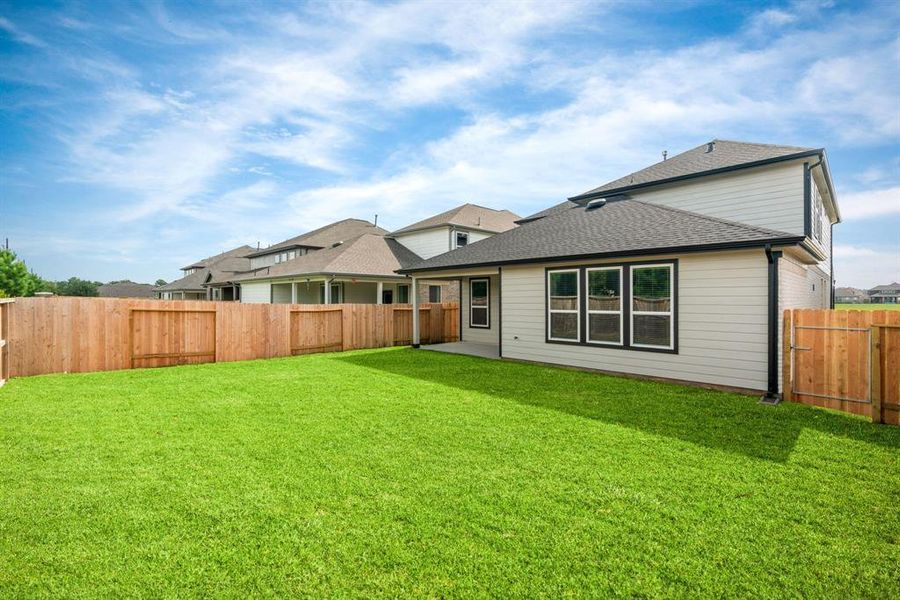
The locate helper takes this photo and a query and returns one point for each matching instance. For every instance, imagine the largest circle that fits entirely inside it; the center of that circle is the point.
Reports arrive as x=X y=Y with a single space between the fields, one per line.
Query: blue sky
x=137 y=138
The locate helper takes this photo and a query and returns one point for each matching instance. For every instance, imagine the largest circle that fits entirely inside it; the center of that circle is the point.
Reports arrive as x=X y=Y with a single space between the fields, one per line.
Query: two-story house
x=680 y=270
x=195 y=276
x=885 y=294
x=355 y=261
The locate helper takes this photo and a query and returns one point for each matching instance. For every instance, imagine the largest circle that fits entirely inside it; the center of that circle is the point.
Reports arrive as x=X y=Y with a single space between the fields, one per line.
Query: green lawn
x=867 y=306
x=410 y=473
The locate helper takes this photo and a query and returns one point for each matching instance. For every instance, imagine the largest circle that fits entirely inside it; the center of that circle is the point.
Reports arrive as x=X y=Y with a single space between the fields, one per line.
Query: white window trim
x=670 y=313
x=486 y=308
x=619 y=312
x=399 y=286
x=456 y=238
x=577 y=310
x=440 y=294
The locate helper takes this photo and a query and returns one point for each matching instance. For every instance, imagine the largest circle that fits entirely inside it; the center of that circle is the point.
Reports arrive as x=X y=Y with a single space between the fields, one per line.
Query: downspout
x=772 y=396
x=499 y=311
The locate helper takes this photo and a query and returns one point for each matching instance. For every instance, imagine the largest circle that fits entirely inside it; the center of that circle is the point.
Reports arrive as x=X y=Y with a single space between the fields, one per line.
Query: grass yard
x=411 y=473
x=867 y=306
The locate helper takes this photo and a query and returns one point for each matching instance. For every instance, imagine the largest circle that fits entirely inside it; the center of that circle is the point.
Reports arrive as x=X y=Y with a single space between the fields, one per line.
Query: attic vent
x=710 y=147
x=595 y=203
x=336 y=244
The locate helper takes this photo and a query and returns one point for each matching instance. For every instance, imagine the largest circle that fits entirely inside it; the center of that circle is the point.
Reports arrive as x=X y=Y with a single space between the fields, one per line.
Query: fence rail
x=847 y=360
x=57 y=335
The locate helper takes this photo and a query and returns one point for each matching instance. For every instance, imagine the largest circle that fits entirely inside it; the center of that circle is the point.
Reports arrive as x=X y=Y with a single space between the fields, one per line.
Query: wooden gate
x=844 y=360
x=165 y=336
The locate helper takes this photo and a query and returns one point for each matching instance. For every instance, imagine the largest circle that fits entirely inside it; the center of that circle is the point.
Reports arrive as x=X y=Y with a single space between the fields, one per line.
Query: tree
x=77 y=287
x=15 y=280
x=160 y=282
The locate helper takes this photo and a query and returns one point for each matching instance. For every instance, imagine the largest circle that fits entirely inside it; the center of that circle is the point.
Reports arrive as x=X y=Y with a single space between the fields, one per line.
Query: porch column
x=294 y=292
x=379 y=289
x=415 y=310
x=327 y=285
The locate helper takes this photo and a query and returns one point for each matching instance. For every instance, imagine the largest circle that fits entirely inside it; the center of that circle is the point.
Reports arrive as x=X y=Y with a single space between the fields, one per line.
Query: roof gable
x=325 y=236
x=470 y=216
x=712 y=157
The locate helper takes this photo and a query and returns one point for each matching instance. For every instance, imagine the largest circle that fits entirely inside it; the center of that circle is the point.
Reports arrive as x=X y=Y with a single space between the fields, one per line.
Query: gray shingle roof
x=323 y=237
x=620 y=228
x=369 y=254
x=556 y=208
x=125 y=289
x=235 y=258
x=468 y=215
x=725 y=154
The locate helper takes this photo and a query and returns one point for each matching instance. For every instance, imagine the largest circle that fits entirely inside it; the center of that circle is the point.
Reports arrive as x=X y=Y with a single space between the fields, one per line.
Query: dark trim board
x=626 y=306
x=749 y=165
x=772 y=257
x=807 y=200
x=625 y=254
x=499 y=310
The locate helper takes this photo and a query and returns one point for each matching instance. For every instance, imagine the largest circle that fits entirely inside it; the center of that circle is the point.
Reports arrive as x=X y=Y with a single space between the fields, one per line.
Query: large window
x=604 y=306
x=652 y=304
x=337 y=293
x=631 y=306
x=434 y=293
x=403 y=294
x=480 y=303
x=563 y=303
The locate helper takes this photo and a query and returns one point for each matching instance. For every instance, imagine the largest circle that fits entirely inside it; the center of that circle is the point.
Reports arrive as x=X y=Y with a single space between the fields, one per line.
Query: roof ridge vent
x=710 y=146
x=595 y=203
x=336 y=244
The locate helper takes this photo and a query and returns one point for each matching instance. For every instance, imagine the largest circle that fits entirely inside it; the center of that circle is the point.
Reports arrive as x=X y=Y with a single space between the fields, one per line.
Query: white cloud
x=20 y=35
x=870 y=204
x=863 y=267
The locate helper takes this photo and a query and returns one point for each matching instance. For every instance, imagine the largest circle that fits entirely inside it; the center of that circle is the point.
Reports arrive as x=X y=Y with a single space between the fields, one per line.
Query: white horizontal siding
x=770 y=197
x=256 y=293
x=427 y=243
x=722 y=309
x=480 y=334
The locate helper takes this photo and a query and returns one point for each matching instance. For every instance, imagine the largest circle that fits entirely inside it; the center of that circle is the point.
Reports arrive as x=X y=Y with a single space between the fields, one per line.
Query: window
x=652 y=306
x=462 y=239
x=403 y=294
x=563 y=305
x=480 y=303
x=292 y=254
x=434 y=293
x=277 y=258
x=629 y=306
x=604 y=306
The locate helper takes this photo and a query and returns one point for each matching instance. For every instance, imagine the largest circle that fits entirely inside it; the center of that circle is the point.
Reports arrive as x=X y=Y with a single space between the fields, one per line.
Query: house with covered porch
x=678 y=271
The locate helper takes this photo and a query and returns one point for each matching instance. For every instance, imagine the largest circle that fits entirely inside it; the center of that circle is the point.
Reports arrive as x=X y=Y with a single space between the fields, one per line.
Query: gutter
x=772 y=396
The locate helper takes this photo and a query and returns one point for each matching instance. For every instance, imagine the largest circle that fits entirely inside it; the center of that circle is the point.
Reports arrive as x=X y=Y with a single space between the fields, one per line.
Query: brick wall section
x=449 y=291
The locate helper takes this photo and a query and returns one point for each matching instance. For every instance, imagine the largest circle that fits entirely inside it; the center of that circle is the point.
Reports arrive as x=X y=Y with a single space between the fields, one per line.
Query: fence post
x=787 y=383
x=875 y=358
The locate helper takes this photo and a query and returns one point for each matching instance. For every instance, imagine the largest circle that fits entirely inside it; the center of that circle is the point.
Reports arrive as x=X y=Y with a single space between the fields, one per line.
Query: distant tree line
x=17 y=280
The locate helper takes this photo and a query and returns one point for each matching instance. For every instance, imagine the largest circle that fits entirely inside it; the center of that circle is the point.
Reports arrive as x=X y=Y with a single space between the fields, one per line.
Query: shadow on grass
x=710 y=418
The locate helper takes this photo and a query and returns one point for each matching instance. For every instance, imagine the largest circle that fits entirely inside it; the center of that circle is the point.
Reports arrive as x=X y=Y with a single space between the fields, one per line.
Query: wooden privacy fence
x=5 y=306
x=846 y=360
x=56 y=335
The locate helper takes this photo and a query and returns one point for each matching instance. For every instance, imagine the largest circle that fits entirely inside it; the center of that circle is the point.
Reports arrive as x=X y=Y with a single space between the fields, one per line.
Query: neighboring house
x=192 y=285
x=359 y=260
x=359 y=270
x=885 y=294
x=126 y=289
x=680 y=270
x=850 y=295
x=455 y=228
